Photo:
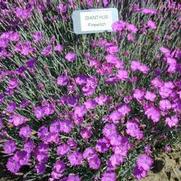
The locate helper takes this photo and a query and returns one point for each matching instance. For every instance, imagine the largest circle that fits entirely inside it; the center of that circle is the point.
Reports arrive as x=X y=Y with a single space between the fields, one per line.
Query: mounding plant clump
x=88 y=107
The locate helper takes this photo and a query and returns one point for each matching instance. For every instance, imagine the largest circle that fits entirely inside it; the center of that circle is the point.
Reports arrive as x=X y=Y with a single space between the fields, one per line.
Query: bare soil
x=167 y=166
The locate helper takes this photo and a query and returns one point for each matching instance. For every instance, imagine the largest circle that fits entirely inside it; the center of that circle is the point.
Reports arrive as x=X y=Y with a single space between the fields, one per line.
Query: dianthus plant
x=87 y=107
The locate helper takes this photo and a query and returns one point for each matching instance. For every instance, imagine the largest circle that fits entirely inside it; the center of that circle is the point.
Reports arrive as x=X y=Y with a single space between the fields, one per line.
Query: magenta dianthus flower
x=109 y=130
x=172 y=121
x=94 y=162
x=150 y=96
x=23 y=13
x=47 y=50
x=124 y=109
x=153 y=113
x=119 y=26
x=66 y=126
x=25 y=131
x=131 y=27
x=122 y=75
x=133 y=129
x=90 y=104
x=13 y=83
x=29 y=146
x=12 y=165
x=22 y=157
x=109 y=176
x=148 y=11
x=37 y=36
x=24 y=48
x=166 y=90
x=115 y=116
x=90 y=3
x=63 y=149
x=138 y=94
x=139 y=173
x=102 y=99
x=86 y=133
x=112 y=49
x=116 y=160
x=40 y=168
x=62 y=80
x=106 y=3
x=89 y=152
x=151 y=25
x=75 y=158
x=62 y=8
x=11 y=107
x=58 y=169
x=80 y=111
x=9 y=147
x=123 y=147
x=17 y=119
x=165 y=105
x=73 y=177
x=58 y=48
x=144 y=162
x=70 y=57
x=102 y=145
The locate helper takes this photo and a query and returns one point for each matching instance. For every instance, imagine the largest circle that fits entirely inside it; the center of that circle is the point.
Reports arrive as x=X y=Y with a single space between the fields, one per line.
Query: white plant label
x=94 y=20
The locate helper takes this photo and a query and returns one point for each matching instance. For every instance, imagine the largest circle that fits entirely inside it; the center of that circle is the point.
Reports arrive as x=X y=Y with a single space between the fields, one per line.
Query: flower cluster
x=143 y=165
x=77 y=107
